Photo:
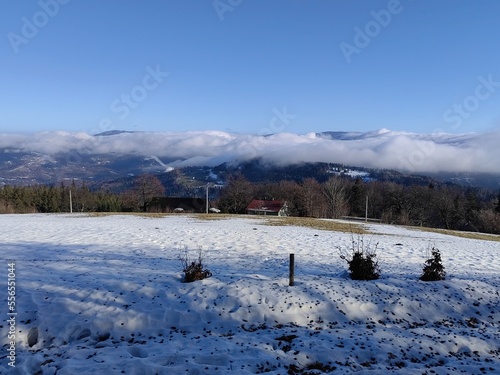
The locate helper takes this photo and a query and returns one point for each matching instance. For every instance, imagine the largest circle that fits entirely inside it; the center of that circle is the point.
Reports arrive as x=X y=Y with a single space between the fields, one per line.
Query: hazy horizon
x=405 y=151
x=250 y=67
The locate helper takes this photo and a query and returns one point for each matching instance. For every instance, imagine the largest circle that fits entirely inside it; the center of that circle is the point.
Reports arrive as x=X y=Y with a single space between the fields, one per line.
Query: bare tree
x=236 y=195
x=497 y=207
x=147 y=187
x=291 y=192
x=444 y=204
x=334 y=191
x=312 y=201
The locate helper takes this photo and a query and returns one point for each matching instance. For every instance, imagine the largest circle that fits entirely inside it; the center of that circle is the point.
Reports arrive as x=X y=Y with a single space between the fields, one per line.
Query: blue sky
x=250 y=66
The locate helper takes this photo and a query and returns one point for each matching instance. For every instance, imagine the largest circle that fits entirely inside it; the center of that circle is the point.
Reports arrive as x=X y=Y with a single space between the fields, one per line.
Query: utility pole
x=207 y=199
x=70 y=203
x=366 y=210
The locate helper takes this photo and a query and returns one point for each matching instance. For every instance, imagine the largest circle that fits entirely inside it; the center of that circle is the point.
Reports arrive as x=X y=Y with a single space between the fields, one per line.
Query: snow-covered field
x=103 y=295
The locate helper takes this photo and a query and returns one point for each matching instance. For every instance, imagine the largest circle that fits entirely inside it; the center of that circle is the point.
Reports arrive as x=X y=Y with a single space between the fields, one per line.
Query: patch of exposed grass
x=160 y=215
x=220 y=216
x=308 y=222
x=141 y=214
x=314 y=223
x=292 y=221
x=456 y=233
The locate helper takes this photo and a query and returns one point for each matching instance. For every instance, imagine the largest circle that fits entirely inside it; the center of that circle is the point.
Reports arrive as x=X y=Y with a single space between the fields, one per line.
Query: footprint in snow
x=137 y=352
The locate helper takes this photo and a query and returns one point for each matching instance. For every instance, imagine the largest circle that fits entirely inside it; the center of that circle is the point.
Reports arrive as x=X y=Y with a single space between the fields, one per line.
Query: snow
x=104 y=294
x=349 y=172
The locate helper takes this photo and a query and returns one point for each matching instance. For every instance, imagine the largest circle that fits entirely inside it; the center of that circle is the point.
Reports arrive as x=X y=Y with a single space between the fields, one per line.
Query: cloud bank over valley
x=411 y=152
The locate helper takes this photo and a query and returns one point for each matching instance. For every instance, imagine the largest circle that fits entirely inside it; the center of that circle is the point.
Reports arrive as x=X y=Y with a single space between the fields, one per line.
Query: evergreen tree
x=433 y=269
x=357 y=198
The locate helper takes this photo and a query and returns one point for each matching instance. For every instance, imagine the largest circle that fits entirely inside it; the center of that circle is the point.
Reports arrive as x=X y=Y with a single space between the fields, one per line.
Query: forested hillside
x=442 y=206
x=433 y=205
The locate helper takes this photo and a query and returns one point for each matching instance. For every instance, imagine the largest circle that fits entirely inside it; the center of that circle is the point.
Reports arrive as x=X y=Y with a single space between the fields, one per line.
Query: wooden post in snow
x=70 y=203
x=292 y=270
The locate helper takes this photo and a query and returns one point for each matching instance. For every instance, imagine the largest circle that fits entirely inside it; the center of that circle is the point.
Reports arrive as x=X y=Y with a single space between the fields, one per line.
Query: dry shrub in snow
x=193 y=267
x=433 y=269
x=362 y=260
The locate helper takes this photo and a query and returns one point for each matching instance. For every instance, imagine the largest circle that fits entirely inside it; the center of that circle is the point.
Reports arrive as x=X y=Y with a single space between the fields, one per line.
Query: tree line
x=79 y=197
x=433 y=205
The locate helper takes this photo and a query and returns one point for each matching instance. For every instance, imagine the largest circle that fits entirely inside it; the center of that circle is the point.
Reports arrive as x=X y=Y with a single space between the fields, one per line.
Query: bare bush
x=193 y=266
x=362 y=260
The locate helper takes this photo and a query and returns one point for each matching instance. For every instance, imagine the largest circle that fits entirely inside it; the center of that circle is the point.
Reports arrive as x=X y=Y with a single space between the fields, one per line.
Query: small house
x=178 y=205
x=263 y=207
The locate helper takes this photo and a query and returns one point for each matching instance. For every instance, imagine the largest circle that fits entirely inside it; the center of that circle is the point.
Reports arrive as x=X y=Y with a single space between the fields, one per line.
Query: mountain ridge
x=52 y=157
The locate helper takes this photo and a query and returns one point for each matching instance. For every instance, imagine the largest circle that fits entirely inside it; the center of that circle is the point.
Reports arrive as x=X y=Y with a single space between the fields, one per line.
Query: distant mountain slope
x=113 y=132
x=29 y=168
x=192 y=181
x=386 y=134
x=51 y=157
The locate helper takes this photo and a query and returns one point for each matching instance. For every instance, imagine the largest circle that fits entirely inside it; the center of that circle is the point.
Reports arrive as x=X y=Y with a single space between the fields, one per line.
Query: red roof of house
x=269 y=206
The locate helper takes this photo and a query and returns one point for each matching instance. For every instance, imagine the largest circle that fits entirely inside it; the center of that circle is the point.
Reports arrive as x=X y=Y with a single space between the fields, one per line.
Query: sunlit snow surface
x=106 y=297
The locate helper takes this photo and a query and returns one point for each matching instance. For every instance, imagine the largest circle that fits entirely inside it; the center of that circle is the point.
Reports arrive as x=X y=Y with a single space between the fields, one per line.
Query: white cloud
x=380 y=149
